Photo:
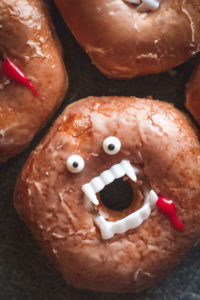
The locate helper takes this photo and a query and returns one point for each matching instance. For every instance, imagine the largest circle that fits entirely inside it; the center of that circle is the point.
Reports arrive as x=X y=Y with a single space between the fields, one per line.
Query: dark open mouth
x=117 y=195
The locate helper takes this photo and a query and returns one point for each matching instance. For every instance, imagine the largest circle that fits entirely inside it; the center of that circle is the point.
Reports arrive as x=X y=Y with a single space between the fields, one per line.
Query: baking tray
x=25 y=272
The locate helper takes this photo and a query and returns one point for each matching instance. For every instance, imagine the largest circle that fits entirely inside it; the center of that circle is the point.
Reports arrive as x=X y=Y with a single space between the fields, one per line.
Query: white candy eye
x=75 y=163
x=111 y=145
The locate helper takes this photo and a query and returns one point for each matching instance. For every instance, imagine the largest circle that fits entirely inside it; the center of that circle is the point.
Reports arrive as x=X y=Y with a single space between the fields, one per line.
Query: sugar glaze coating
x=27 y=37
x=162 y=142
x=124 y=43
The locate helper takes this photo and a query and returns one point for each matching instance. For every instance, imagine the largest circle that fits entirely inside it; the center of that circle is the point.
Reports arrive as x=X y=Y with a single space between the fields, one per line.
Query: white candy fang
x=145 y=5
x=109 y=229
x=90 y=194
x=133 y=1
x=129 y=170
x=152 y=198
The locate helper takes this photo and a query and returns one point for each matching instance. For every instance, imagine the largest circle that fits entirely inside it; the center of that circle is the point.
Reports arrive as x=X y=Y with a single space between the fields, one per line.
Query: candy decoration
x=145 y=5
x=111 y=145
x=12 y=72
x=168 y=208
x=75 y=163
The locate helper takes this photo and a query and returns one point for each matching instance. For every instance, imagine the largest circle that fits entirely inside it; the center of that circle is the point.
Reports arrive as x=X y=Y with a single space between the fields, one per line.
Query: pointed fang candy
x=168 y=208
x=12 y=72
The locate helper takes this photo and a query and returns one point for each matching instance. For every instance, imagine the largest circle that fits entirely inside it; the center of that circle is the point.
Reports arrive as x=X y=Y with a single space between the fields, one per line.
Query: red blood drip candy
x=168 y=208
x=11 y=71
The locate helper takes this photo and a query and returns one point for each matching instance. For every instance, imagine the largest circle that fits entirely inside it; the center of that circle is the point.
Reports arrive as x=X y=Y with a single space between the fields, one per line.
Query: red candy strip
x=11 y=71
x=168 y=208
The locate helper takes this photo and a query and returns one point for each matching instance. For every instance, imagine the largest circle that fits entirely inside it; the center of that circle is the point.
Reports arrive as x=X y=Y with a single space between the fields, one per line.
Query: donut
x=193 y=93
x=112 y=192
x=127 y=38
x=33 y=79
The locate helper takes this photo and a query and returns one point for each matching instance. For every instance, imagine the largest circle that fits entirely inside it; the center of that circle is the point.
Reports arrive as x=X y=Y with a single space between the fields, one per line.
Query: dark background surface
x=25 y=273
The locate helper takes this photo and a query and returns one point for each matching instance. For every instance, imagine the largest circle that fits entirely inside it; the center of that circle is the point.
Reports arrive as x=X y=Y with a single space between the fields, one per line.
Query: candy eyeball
x=75 y=164
x=111 y=145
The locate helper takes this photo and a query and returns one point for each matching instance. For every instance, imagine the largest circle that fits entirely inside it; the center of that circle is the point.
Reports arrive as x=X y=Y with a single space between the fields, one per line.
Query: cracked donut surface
x=28 y=39
x=154 y=147
x=125 y=42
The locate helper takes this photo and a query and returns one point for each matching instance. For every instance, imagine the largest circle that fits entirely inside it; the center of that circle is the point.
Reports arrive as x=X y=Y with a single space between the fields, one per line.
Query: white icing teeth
x=109 y=229
x=117 y=171
x=107 y=177
x=133 y=1
x=98 y=183
x=148 y=5
x=145 y=5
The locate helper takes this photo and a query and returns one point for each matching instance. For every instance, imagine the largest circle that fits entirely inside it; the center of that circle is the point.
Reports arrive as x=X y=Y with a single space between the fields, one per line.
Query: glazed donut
x=95 y=237
x=33 y=79
x=193 y=93
x=125 y=39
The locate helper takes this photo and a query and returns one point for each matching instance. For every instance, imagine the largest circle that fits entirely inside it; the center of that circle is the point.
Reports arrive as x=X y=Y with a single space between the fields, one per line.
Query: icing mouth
x=109 y=229
x=98 y=183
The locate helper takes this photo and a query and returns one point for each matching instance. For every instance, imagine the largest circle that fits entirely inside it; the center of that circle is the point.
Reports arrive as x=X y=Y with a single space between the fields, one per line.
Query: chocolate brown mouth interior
x=117 y=195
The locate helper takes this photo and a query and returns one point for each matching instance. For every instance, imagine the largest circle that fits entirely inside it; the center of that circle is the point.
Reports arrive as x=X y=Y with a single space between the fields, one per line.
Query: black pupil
x=118 y=195
x=111 y=147
x=75 y=164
